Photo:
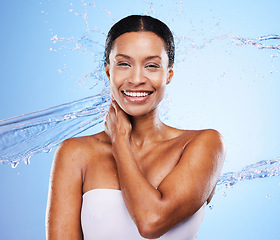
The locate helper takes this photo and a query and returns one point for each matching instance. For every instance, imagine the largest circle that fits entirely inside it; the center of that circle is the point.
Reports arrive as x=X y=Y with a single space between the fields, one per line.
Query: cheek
x=114 y=90
x=158 y=79
x=116 y=78
x=160 y=83
x=114 y=86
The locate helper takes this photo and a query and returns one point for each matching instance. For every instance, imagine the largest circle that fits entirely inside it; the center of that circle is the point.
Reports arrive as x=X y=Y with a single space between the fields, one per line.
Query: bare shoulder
x=205 y=147
x=79 y=149
x=210 y=138
x=77 y=144
x=206 y=137
x=197 y=136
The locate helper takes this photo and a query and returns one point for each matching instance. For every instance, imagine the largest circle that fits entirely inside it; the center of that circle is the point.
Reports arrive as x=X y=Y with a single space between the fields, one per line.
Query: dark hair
x=137 y=23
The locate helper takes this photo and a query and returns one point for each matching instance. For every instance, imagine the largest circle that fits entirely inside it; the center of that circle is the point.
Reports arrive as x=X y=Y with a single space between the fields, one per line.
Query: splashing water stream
x=23 y=136
x=261 y=169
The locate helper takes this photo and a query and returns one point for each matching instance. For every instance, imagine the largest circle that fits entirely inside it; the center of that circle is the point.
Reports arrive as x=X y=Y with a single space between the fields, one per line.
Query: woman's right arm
x=65 y=193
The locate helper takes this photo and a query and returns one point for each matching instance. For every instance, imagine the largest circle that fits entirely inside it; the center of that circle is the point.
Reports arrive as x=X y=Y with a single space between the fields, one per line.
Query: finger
x=113 y=111
x=119 y=112
x=115 y=106
x=106 y=126
x=112 y=98
x=111 y=108
x=107 y=117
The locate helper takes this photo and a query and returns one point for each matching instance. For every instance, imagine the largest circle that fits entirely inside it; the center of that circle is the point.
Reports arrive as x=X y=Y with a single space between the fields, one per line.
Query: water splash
x=261 y=169
x=23 y=136
x=262 y=42
x=271 y=41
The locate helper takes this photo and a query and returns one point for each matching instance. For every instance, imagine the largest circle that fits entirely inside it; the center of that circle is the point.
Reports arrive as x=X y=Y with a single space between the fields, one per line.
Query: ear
x=107 y=71
x=170 y=75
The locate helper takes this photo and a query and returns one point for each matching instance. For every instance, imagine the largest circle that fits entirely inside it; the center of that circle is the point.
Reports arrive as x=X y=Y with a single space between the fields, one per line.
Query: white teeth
x=136 y=94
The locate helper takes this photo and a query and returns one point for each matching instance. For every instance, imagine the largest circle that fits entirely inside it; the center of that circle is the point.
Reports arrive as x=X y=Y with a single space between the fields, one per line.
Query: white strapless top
x=104 y=216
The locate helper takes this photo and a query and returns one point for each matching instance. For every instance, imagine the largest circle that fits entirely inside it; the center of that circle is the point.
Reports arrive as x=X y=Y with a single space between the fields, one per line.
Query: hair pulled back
x=137 y=23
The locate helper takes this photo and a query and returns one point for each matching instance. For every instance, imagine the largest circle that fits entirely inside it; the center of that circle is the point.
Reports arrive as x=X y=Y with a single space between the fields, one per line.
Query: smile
x=136 y=94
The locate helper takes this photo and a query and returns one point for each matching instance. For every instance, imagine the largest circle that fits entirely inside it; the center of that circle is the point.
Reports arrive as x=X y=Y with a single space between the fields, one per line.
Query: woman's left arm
x=181 y=193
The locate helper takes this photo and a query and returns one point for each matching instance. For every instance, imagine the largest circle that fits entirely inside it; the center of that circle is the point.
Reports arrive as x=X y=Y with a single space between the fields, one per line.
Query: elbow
x=150 y=228
x=148 y=232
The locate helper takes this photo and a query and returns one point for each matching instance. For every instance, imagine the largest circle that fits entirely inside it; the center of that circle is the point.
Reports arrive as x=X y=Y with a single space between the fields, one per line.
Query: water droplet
x=224 y=194
x=14 y=164
x=274 y=55
x=210 y=207
x=27 y=160
x=47 y=150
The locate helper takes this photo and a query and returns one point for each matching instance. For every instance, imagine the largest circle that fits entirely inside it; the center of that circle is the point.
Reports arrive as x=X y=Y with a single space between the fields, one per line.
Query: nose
x=137 y=76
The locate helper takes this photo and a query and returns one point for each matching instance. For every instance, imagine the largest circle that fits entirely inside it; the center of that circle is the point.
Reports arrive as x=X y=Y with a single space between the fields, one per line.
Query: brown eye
x=123 y=64
x=153 y=66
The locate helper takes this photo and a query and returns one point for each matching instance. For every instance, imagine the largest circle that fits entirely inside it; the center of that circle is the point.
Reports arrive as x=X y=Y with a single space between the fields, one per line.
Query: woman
x=139 y=178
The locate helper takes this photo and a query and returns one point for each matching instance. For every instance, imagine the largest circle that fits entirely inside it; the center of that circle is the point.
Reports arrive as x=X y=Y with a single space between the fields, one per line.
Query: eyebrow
x=126 y=56
x=152 y=57
x=122 y=55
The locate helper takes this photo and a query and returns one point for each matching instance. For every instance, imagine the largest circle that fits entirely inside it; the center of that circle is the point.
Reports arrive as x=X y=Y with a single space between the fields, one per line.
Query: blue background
x=217 y=84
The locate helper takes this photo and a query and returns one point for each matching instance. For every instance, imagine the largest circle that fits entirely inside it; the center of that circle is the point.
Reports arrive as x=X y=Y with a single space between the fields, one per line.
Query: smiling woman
x=151 y=180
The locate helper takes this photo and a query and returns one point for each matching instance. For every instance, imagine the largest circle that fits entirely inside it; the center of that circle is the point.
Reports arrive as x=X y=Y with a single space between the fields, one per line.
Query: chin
x=137 y=111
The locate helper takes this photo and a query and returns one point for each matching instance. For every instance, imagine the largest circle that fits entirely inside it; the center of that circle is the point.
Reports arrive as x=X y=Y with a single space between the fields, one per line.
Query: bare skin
x=165 y=174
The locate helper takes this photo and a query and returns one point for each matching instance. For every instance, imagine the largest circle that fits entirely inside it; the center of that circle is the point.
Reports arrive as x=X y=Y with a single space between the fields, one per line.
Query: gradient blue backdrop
x=234 y=89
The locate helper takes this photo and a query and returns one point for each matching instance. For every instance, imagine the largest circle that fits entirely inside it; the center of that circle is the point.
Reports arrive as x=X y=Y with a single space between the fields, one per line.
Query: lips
x=136 y=96
x=136 y=93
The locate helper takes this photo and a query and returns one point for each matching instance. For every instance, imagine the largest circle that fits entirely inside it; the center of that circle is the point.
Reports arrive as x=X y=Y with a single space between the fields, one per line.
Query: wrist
x=120 y=143
x=120 y=138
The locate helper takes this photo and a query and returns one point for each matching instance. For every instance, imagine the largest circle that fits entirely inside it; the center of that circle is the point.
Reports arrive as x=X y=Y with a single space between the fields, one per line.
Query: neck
x=147 y=128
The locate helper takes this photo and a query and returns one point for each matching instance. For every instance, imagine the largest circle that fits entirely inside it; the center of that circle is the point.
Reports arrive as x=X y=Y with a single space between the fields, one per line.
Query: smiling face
x=138 y=72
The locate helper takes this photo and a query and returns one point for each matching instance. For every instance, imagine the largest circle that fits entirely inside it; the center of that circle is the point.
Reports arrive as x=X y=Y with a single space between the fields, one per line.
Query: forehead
x=134 y=43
